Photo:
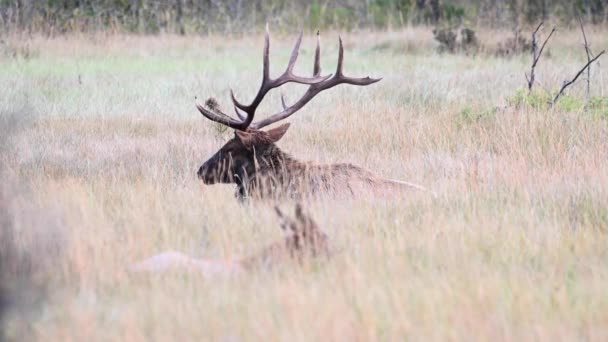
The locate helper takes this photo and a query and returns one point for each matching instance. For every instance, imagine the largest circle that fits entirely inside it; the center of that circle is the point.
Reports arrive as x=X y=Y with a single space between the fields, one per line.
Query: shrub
x=541 y=100
x=451 y=42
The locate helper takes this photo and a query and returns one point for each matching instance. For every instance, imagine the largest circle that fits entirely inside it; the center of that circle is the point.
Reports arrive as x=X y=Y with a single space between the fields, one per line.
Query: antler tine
x=339 y=76
x=317 y=67
x=265 y=74
x=288 y=75
x=316 y=88
x=239 y=114
x=294 y=53
x=269 y=84
x=317 y=84
x=237 y=105
x=266 y=55
x=214 y=114
x=340 y=57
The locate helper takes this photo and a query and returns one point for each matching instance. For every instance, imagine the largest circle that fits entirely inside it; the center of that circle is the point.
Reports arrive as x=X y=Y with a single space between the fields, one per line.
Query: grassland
x=101 y=142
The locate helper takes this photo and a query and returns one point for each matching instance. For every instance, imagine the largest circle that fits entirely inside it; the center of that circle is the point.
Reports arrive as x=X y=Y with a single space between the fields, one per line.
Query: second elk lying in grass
x=258 y=167
x=304 y=240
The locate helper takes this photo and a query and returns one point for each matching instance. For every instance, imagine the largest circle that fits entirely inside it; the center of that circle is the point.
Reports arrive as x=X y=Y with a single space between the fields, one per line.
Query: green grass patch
x=541 y=100
x=469 y=115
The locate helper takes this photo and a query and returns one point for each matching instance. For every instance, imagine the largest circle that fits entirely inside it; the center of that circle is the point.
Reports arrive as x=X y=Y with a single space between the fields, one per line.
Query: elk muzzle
x=216 y=170
x=204 y=174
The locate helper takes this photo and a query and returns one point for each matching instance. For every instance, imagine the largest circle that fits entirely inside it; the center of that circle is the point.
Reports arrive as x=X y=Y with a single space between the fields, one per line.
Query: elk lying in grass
x=257 y=166
x=304 y=240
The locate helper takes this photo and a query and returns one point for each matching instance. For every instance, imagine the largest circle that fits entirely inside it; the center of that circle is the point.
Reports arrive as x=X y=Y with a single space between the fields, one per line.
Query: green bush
x=570 y=104
x=599 y=105
x=535 y=99
x=541 y=100
x=453 y=14
x=237 y=16
x=469 y=115
x=343 y=18
x=315 y=14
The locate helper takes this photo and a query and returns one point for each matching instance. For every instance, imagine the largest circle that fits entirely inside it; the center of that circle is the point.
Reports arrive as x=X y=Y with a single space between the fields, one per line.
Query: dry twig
x=536 y=53
x=589 y=56
x=566 y=84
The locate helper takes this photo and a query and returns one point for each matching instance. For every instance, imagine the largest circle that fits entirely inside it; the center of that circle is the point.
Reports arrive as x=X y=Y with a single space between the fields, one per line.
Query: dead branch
x=536 y=53
x=566 y=84
x=534 y=59
x=589 y=56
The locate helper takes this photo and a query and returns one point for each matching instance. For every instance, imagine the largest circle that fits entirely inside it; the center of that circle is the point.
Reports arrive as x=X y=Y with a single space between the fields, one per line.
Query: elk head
x=238 y=158
x=304 y=237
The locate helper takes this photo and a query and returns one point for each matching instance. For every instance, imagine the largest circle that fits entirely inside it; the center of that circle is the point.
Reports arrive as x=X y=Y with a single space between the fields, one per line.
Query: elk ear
x=245 y=138
x=300 y=213
x=277 y=133
x=284 y=220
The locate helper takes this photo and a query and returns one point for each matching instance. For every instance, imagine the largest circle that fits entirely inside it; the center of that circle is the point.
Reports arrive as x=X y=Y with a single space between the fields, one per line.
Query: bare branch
x=534 y=60
x=566 y=84
x=536 y=53
x=543 y=46
x=584 y=35
x=538 y=27
x=588 y=52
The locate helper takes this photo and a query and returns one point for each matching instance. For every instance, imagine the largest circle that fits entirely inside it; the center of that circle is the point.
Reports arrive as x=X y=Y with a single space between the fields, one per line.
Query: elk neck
x=268 y=163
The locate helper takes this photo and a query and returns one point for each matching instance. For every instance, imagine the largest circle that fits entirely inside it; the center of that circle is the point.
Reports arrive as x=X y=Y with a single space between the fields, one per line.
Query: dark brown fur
x=259 y=168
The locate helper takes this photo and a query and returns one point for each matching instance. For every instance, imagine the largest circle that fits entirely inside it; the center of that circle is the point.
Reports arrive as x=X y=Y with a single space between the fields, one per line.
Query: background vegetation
x=238 y=16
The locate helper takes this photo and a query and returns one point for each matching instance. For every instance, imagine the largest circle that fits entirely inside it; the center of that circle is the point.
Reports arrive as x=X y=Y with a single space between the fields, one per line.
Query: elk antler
x=316 y=88
x=317 y=83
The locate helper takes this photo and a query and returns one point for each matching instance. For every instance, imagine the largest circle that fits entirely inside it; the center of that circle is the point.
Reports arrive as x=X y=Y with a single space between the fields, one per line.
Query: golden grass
x=103 y=175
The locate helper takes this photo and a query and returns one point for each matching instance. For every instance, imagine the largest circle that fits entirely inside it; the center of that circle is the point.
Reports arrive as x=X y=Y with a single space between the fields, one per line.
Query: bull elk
x=252 y=160
x=303 y=240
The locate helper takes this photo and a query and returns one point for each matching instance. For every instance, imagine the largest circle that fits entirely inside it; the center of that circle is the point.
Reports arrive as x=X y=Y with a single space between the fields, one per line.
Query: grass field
x=101 y=142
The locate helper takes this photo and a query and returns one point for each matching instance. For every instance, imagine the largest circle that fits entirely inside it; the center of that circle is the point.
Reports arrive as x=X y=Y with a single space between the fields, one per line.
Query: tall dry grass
x=513 y=247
